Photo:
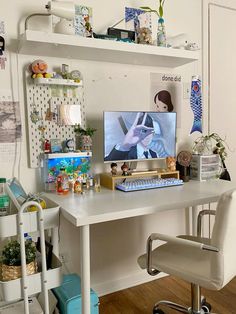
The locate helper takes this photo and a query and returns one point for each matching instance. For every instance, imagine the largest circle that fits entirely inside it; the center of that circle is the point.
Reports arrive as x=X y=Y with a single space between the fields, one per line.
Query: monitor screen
x=132 y=135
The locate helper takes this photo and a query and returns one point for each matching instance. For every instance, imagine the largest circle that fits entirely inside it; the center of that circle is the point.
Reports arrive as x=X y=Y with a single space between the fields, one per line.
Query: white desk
x=107 y=205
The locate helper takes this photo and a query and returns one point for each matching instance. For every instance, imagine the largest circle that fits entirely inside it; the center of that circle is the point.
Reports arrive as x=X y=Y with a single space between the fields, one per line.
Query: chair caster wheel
x=206 y=307
x=157 y=311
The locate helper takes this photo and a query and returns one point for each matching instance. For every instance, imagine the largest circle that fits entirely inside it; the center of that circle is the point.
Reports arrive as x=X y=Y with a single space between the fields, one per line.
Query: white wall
x=115 y=245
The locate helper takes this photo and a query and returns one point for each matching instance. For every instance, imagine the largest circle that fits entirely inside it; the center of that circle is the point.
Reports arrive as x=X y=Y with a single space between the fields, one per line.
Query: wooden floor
x=140 y=299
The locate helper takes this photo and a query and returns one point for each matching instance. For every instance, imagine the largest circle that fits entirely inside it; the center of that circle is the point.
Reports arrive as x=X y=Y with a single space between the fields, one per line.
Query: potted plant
x=203 y=146
x=85 y=137
x=11 y=260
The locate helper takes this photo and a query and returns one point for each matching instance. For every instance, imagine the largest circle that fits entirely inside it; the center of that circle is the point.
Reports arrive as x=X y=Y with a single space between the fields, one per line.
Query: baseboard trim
x=124 y=283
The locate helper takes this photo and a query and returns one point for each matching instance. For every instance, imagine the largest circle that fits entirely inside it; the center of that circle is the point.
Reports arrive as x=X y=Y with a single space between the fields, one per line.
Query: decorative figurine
x=39 y=69
x=47 y=146
x=114 y=169
x=125 y=169
x=70 y=145
x=170 y=163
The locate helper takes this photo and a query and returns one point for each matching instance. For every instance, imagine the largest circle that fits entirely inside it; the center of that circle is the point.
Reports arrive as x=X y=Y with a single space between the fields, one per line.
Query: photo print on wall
x=83 y=21
x=166 y=93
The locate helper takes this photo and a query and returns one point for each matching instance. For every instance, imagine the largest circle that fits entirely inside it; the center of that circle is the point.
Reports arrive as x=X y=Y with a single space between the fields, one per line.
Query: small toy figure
x=47 y=146
x=125 y=169
x=70 y=145
x=114 y=169
x=144 y=36
x=171 y=163
x=39 y=69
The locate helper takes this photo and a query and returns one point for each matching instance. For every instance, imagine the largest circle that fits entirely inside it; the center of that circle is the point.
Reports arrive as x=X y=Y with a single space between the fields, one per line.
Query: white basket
x=8 y=224
x=11 y=290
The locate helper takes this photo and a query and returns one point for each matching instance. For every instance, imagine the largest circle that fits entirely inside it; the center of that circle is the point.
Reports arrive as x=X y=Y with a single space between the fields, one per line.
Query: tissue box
x=69 y=296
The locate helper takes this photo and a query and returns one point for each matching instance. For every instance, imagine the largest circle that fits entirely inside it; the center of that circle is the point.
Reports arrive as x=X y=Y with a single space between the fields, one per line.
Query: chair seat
x=188 y=263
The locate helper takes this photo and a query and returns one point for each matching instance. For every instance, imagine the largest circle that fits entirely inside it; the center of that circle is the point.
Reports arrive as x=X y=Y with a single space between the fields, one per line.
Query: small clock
x=184 y=158
x=75 y=75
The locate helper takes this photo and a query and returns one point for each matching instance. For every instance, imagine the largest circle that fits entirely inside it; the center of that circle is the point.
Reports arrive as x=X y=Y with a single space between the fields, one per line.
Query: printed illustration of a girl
x=163 y=101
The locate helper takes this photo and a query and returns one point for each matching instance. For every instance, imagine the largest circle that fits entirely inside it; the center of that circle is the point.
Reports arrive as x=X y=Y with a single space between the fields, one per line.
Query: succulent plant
x=11 y=253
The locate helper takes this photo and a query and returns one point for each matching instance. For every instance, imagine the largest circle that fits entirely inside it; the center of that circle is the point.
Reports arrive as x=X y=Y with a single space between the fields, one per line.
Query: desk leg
x=85 y=269
x=187 y=221
x=194 y=220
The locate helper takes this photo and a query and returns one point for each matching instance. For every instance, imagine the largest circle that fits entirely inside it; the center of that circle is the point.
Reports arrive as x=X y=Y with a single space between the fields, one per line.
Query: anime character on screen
x=137 y=141
x=163 y=101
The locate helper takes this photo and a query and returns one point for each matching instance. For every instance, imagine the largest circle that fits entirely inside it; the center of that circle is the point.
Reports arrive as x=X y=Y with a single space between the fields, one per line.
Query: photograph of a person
x=138 y=135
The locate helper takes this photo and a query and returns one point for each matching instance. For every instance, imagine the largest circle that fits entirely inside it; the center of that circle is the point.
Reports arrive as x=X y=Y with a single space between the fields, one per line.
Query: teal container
x=69 y=296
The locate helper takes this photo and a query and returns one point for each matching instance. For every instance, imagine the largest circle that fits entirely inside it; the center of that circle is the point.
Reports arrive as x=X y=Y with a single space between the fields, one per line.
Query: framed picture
x=83 y=21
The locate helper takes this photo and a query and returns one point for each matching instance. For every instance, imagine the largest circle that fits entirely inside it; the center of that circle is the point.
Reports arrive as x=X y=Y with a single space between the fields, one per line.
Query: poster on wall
x=3 y=58
x=166 y=93
x=10 y=123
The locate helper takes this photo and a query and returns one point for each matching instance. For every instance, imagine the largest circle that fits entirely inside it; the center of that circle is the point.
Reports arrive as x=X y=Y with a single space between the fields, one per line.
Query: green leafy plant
x=159 y=11
x=88 y=131
x=205 y=142
x=11 y=253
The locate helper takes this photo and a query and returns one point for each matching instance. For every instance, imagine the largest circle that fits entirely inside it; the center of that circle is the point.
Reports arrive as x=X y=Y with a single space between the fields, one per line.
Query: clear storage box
x=205 y=167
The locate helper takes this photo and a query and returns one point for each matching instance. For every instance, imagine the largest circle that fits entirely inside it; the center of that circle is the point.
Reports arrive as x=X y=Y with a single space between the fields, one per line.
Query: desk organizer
x=69 y=296
x=109 y=181
x=205 y=167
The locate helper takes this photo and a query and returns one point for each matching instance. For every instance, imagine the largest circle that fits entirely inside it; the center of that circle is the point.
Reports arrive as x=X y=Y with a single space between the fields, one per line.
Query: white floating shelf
x=76 y=47
x=54 y=81
x=67 y=155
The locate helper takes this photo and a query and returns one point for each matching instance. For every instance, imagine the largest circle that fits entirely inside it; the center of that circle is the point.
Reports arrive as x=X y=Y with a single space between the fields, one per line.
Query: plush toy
x=171 y=163
x=39 y=69
x=144 y=36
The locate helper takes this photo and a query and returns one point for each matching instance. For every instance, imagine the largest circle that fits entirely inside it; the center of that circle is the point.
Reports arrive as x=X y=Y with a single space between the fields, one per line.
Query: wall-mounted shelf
x=75 y=47
x=54 y=81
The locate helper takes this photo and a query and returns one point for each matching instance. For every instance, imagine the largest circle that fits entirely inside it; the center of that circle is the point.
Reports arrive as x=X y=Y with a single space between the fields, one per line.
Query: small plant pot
x=14 y=272
x=85 y=143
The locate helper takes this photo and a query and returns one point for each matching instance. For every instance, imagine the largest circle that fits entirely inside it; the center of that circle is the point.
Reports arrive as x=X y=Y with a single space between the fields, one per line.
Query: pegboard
x=40 y=98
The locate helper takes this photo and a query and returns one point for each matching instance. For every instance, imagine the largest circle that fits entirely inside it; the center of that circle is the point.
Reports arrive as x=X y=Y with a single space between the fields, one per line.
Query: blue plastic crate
x=69 y=296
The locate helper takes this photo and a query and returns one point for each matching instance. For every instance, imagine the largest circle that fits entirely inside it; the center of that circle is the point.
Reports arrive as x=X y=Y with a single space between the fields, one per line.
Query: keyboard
x=150 y=183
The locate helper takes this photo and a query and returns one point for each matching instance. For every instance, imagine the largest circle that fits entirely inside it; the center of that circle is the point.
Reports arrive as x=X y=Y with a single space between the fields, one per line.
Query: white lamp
x=63 y=9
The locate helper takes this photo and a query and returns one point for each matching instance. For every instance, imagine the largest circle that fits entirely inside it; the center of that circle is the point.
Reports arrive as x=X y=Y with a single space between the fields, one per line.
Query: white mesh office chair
x=207 y=263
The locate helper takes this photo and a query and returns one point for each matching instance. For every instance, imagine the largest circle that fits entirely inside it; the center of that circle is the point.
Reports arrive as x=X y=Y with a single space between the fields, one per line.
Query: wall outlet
x=186 y=90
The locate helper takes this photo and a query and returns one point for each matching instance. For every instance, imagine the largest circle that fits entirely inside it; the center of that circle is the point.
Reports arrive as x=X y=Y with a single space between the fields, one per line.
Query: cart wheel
x=206 y=307
x=157 y=311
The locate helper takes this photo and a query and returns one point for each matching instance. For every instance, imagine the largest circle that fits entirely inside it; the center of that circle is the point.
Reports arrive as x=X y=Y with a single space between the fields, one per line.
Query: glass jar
x=161 y=33
x=4 y=198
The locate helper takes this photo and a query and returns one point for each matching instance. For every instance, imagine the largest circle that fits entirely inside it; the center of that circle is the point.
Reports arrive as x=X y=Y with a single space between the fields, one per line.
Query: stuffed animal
x=171 y=163
x=144 y=36
x=39 y=69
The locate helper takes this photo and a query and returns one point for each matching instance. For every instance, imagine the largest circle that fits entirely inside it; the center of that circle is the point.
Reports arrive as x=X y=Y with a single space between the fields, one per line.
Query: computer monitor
x=132 y=135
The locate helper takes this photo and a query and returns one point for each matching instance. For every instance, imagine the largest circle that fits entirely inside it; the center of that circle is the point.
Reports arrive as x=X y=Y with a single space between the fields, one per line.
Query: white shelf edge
x=68 y=155
x=54 y=81
x=76 y=47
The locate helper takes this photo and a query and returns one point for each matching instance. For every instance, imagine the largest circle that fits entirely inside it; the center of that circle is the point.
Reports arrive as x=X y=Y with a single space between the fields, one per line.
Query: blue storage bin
x=69 y=296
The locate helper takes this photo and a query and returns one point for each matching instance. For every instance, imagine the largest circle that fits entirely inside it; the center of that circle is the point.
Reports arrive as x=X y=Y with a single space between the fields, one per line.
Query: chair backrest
x=224 y=237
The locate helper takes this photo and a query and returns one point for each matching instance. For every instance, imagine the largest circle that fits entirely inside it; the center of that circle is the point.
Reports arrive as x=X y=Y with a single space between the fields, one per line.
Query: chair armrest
x=199 y=219
x=172 y=240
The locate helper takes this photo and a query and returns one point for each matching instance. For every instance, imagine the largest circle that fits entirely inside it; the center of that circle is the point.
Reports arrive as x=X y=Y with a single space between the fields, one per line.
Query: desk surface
x=107 y=205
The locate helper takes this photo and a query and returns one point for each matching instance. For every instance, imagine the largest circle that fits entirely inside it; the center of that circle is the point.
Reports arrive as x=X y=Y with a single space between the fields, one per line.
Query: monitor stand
x=133 y=166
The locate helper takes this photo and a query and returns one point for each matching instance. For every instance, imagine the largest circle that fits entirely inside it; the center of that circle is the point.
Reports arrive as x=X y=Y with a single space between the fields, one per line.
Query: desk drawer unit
x=205 y=167
x=69 y=296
